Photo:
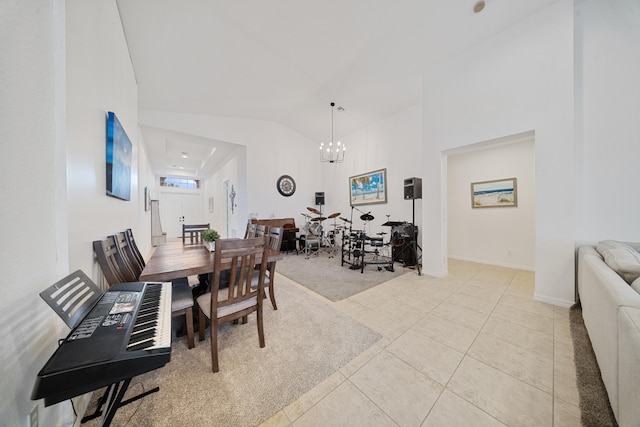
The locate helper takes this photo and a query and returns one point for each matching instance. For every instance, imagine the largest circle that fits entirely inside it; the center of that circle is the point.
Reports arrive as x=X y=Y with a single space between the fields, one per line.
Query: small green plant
x=210 y=235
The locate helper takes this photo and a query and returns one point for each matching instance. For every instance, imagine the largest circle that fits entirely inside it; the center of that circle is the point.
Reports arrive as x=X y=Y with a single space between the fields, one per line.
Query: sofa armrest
x=602 y=292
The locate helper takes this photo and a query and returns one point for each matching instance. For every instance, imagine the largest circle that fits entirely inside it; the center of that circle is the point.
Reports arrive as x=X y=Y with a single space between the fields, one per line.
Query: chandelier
x=332 y=153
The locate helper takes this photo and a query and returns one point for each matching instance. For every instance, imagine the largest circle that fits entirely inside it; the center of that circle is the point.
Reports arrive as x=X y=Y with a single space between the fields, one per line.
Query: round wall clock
x=286 y=185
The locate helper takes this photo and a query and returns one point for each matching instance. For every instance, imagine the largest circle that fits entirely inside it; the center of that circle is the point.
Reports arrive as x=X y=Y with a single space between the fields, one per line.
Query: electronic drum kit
x=360 y=249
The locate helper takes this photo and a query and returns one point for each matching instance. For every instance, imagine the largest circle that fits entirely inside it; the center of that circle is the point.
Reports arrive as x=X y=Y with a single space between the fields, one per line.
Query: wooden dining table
x=174 y=260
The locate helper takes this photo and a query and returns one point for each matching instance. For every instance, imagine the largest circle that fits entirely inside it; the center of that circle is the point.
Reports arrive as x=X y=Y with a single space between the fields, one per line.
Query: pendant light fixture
x=335 y=150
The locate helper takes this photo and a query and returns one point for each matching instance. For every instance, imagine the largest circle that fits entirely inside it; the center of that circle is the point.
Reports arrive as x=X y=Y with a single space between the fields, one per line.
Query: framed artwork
x=499 y=193
x=369 y=188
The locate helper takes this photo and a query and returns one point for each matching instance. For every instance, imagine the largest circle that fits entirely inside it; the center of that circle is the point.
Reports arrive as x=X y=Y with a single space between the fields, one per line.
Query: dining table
x=174 y=260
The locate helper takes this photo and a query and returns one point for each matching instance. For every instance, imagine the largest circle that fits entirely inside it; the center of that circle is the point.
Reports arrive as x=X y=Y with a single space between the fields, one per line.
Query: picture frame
x=497 y=193
x=368 y=188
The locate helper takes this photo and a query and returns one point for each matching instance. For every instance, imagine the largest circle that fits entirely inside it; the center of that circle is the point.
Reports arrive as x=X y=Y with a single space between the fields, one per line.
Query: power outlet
x=33 y=417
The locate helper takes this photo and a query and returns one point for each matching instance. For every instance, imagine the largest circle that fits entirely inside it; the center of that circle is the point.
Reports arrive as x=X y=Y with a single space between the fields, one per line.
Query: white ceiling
x=286 y=60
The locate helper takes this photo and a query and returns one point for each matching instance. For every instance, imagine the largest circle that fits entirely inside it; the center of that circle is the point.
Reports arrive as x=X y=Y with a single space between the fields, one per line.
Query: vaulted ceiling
x=286 y=60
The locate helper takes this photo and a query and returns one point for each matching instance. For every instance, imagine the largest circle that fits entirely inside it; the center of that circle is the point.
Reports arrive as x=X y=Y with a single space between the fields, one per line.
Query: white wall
x=215 y=187
x=100 y=78
x=608 y=108
x=520 y=80
x=33 y=220
x=499 y=236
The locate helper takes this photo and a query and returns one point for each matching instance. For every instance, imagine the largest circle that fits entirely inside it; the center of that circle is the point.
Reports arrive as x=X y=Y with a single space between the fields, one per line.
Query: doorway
x=180 y=208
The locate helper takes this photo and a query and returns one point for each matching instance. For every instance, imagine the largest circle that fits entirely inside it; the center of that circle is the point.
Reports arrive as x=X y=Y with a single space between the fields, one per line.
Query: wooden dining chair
x=181 y=295
x=261 y=230
x=134 y=248
x=239 y=299
x=250 y=231
x=126 y=252
x=192 y=233
x=274 y=241
x=113 y=265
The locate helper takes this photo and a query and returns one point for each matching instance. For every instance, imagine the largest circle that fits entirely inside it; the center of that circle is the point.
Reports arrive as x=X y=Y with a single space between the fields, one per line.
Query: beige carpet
x=306 y=341
x=594 y=402
x=328 y=278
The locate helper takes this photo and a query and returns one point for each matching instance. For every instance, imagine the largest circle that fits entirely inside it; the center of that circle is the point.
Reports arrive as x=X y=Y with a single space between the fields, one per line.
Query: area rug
x=328 y=278
x=594 y=402
x=306 y=341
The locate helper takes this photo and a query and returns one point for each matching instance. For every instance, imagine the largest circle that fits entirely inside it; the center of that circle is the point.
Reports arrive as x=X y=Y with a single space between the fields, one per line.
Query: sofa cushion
x=636 y=285
x=621 y=258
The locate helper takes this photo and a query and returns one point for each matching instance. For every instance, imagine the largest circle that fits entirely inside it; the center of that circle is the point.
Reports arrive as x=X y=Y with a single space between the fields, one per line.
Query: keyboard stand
x=112 y=397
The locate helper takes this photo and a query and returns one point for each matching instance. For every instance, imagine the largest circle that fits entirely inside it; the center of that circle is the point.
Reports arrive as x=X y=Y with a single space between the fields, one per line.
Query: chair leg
x=260 y=326
x=272 y=297
x=202 y=320
x=188 y=312
x=214 y=346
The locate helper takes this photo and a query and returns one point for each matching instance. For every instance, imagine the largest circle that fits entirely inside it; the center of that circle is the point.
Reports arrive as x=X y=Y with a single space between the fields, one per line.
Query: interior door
x=179 y=208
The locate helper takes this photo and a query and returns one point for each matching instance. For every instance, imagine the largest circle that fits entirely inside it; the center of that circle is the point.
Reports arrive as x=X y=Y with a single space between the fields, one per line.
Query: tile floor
x=473 y=348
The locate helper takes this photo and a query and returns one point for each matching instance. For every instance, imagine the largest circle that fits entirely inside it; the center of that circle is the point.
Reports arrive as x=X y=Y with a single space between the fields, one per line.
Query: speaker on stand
x=413 y=191
x=319 y=198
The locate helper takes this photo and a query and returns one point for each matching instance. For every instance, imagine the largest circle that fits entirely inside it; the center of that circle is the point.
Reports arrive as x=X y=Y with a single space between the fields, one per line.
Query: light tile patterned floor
x=473 y=348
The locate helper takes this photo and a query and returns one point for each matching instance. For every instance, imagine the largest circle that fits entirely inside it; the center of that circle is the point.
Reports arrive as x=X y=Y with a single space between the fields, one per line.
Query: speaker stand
x=415 y=247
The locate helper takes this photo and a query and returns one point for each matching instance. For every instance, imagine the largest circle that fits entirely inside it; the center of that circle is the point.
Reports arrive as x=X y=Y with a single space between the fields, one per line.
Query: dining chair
x=134 y=248
x=239 y=299
x=113 y=265
x=192 y=233
x=250 y=231
x=274 y=241
x=127 y=254
x=261 y=230
x=129 y=271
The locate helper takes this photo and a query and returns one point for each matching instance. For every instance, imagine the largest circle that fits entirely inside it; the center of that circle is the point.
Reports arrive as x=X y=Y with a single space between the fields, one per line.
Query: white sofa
x=611 y=311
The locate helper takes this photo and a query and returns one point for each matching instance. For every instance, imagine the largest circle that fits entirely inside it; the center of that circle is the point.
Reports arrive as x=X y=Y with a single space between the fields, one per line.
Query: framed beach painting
x=498 y=193
x=369 y=188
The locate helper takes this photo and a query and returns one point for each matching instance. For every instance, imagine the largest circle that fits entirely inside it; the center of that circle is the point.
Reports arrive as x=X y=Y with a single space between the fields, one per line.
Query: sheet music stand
x=72 y=297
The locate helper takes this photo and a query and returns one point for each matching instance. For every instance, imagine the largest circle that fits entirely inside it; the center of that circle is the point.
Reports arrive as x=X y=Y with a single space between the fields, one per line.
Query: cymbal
x=320 y=218
x=333 y=215
x=345 y=220
x=366 y=217
x=305 y=215
x=315 y=211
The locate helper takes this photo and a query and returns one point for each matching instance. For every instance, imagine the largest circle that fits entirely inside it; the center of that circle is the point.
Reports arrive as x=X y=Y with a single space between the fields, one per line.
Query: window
x=189 y=183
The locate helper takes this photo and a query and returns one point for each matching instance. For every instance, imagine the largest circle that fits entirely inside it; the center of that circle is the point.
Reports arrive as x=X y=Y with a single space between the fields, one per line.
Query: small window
x=192 y=184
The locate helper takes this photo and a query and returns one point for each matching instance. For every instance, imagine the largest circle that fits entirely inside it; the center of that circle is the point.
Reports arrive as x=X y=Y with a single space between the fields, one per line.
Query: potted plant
x=209 y=237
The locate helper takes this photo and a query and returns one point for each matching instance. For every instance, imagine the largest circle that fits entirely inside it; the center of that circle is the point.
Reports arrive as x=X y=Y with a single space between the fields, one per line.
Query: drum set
x=315 y=238
x=360 y=249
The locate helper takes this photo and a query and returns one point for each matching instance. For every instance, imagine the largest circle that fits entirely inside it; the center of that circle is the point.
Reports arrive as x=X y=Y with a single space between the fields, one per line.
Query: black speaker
x=413 y=188
x=319 y=197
